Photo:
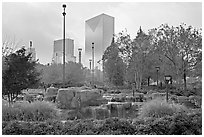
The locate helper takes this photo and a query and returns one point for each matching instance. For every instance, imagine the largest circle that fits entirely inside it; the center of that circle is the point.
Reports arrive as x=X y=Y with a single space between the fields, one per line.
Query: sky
x=42 y=22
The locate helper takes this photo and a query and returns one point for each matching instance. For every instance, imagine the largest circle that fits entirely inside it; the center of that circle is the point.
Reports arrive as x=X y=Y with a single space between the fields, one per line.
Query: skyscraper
x=32 y=51
x=58 y=51
x=98 y=30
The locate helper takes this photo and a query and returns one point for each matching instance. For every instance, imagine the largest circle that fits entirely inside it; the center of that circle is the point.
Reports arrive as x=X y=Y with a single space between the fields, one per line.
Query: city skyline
x=41 y=23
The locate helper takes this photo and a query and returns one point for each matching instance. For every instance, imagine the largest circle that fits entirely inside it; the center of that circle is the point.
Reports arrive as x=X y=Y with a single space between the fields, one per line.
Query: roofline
x=98 y=16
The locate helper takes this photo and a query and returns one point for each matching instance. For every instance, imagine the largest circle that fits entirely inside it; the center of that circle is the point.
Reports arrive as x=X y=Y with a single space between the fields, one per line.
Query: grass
x=24 y=111
x=159 y=108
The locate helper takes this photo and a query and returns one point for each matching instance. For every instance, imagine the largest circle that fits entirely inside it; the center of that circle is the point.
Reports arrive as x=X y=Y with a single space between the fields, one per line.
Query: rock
x=85 y=88
x=65 y=96
x=158 y=95
x=75 y=98
x=29 y=98
x=127 y=105
x=100 y=113
x=51 y=91
x=182 y=99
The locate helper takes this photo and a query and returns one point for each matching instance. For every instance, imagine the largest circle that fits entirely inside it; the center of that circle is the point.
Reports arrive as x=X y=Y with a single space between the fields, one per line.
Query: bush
x=178 y=124
x=116 y=126
x=159 y=108
x=10 y=113
x=36 y=111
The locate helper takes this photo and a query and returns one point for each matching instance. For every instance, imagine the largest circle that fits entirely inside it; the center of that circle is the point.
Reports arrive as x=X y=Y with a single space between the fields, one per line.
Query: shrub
x=159 y=108
x=186 y=124
x=39 y=111
x=36 y=111
x=178 y=124
x=116 y=126
x=10 y=113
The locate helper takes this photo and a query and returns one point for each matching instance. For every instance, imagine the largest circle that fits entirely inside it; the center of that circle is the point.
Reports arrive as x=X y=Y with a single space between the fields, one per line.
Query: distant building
x=32 y=51
x=100 y=30
x=58 y=51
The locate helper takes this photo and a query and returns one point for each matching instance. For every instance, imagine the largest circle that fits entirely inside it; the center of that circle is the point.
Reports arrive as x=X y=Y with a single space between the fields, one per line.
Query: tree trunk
x=184 y=79
x=148 y=81
x=9 y=100
x=140 y=84
x=184 y=72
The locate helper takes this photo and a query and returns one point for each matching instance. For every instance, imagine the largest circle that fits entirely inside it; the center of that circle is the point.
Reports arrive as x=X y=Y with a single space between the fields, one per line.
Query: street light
x=90 y=63
x=93 y=63
x=64 y=6
x=99 y=69
x=168 y=79
x=157 y=68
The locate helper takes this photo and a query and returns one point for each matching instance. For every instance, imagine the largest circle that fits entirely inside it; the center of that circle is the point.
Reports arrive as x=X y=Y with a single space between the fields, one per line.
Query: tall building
x=32 y=51
x=98 y=30
x=58 y=51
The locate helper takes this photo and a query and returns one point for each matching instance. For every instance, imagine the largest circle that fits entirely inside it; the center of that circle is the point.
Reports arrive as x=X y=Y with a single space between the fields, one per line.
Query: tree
x=181 y=49
x=74 y=73
x=18 y=73
x=140 y=62
x=114 y=66
x=189 y=44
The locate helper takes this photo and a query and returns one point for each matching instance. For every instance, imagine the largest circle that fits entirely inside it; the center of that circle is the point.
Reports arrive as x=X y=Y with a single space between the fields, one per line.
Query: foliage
x=114 y=66
x=142 y=60
x=176 y=50
x=178 y=124
x=181 y=48
x=74 y=73
x=20 y=73
x=116 y=126
x=160 y=108
x=36 y=111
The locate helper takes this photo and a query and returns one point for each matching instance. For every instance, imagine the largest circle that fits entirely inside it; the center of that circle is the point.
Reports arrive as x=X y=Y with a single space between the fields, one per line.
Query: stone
x=158 y=95
x=182 y=99
x=100 y=113
x=51 y=91
x=76 y=97
x=65 y=96
x=29 y=98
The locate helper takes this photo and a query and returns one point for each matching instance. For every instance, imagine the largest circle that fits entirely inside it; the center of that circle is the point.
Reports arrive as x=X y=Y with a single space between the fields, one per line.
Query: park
x=149 y=84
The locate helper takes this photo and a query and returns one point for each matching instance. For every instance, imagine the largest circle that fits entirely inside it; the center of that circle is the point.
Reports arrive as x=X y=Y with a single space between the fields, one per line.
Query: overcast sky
x=42 y=22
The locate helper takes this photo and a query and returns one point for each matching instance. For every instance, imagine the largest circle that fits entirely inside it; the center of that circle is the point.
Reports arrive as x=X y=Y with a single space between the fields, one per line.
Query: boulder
x=100 y=113
x=75 y=98
x=65 y=96
x=158 y=95
x=89 y=94
x=29 y=98
x=51 y=91
x=182 y=99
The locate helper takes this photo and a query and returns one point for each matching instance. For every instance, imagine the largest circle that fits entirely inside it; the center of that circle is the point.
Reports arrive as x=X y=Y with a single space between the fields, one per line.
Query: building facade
x=32 y=51
x=98 y=30
x=58 y=51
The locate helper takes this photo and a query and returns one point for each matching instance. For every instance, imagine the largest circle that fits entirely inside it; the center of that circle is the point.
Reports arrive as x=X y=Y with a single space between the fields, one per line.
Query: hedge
x=179 y=124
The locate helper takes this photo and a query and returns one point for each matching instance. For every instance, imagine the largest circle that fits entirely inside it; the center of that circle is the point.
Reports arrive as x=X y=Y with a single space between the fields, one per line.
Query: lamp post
x=56 y=59
x=79 y=49
x=168 y=79
x=157 y=68
x=99 y=69
x=93 y=63
x=64 y=6
x=90 y=70
x=90 y=63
